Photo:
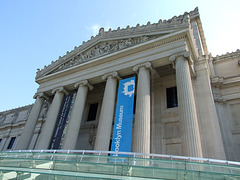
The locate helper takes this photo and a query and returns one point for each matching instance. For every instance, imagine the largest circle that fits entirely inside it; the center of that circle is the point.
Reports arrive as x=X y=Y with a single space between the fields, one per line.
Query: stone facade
x=187 y=102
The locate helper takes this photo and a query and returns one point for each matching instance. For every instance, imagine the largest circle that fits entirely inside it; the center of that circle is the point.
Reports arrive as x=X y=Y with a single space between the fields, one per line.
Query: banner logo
x=127 y=88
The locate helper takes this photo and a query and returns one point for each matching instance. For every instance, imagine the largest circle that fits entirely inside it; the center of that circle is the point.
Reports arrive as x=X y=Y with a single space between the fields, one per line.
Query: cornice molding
x=84 y=83
x=226 y=56
x=17 y=109
x=225 y=82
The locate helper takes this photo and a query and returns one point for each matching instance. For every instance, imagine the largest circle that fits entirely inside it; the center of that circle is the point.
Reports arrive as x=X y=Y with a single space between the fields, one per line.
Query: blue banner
x=122 y=133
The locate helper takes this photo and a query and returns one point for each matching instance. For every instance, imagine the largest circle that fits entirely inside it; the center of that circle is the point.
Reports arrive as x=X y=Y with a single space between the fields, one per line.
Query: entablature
x=156 y=51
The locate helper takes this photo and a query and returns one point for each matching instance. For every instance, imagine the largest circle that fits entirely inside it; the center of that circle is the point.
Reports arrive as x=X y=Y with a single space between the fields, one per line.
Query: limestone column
x=107 y=112
x=189 y=123
x=71 y=137
x=29 y=128
x=47 y=132
x=141 y=138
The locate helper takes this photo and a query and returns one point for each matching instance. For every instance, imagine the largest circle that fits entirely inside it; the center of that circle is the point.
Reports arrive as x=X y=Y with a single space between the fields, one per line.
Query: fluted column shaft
x=71 y=137
x=141 y=138
x=47 y=132
x=29 y=127
x=190 y=130
x=106 y=114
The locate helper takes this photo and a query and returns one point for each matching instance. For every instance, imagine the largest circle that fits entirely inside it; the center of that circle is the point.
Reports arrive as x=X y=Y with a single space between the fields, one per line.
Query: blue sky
x=34 y=33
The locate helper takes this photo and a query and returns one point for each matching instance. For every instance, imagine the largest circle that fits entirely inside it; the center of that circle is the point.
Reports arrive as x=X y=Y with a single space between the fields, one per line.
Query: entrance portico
x=106 y=59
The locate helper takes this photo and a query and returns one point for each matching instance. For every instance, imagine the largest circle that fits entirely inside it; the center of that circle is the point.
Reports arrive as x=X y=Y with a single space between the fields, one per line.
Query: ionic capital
x=41 y=95
x=83 y=83
x=113 y=74
x=187 y=57
x=185 y=54
x=147 y=65
x=60 y=89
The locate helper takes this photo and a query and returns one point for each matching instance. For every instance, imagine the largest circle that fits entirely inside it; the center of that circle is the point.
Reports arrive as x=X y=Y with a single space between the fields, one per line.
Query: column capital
x=42 y=95
x=113 y=74
x=185 y=54
x=147 y=65
x=187 y=57
x=60 y=89
x=84 y=83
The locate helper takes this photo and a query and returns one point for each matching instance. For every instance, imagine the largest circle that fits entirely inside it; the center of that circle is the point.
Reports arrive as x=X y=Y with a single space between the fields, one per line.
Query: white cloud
x=94 y=29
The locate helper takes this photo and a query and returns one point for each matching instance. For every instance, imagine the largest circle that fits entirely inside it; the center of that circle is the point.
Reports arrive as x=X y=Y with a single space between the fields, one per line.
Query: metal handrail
x=134 y=154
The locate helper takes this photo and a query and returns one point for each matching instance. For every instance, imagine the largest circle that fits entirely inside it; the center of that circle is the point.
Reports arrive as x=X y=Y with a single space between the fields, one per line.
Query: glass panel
x=84 y=166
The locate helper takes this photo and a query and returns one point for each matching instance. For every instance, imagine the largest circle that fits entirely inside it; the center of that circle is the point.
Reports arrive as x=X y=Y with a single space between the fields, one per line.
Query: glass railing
x=74 y=164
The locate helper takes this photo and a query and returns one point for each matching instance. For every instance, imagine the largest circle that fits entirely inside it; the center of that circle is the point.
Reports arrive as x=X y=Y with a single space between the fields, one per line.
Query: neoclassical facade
x=186 y=101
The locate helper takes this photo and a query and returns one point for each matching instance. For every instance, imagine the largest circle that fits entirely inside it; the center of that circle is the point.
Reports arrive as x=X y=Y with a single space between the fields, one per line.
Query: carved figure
x=106 y=47
x=121 y=45
x=90 y=53
x=114 y=47
x=97 y=51
x=144 y=39
x=83 y=57
x=128 y=42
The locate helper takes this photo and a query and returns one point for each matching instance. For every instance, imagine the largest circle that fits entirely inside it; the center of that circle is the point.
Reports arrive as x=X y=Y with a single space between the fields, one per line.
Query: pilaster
x=209 y=124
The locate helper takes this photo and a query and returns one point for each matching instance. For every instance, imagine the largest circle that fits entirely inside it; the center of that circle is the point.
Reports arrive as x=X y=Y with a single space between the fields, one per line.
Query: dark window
x=92 y=112
x=172 y=100
x=11 y=143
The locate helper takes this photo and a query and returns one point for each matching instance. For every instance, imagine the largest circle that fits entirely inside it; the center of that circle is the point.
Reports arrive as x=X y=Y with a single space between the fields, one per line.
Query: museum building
x=186 y=102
